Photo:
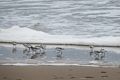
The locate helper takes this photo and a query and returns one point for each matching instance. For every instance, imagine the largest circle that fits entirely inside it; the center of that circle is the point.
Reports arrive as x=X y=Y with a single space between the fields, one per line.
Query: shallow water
x=71 y=56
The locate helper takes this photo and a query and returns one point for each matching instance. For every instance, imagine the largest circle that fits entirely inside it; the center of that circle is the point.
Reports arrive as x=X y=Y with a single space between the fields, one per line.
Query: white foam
x=60 y=64
x=52 y=64
x=96 y=62
x=28 y=35
x=56 y=64
x=19 y=64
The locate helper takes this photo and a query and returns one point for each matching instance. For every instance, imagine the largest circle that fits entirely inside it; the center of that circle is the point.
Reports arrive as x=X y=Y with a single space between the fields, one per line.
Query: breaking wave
x=25 y=34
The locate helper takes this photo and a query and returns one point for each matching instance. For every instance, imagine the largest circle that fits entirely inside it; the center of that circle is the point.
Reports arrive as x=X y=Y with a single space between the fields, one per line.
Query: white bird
x=59 y=52
x=98 y=54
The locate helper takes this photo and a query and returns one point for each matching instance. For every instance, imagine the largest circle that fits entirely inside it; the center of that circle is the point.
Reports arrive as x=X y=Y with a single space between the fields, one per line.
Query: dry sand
x=58 y=73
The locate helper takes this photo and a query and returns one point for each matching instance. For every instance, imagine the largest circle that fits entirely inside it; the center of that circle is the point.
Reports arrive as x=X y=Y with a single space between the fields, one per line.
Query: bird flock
x=40 y=50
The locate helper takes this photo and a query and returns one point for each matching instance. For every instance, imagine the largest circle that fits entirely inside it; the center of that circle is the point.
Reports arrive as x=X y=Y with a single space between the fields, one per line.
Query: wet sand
x=58 y=73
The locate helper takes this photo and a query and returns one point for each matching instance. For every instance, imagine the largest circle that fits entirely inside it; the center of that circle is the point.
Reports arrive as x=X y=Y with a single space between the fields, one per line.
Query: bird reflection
x=38 y=54
x=34 y=56
x=14 y=49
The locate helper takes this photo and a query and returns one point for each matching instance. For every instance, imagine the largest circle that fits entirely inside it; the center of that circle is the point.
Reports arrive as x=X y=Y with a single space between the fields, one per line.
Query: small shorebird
x=98 y=54
x=59 y=52
x=36 y=50
x=14 y=44
x=27 y=46
x=14 y=47
x=91 y=50
x=42 y=48
x=33 y=48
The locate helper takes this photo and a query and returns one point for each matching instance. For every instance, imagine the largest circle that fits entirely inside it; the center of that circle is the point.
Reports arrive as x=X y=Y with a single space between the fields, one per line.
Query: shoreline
x=59 y=64
x=51 y=59
x=60 y=44
x=45 y=72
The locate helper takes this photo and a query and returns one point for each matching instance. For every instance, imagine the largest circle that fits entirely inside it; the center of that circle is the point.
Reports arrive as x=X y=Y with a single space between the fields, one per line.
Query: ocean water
x=66 y=21
x=88 y=18
x=71 y=56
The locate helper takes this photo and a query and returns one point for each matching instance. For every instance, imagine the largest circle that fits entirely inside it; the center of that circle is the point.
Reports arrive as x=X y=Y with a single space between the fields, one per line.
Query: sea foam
x=24 y=34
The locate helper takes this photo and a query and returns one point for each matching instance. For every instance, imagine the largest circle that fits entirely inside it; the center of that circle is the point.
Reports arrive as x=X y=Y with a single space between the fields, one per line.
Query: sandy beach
x=45 y=72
